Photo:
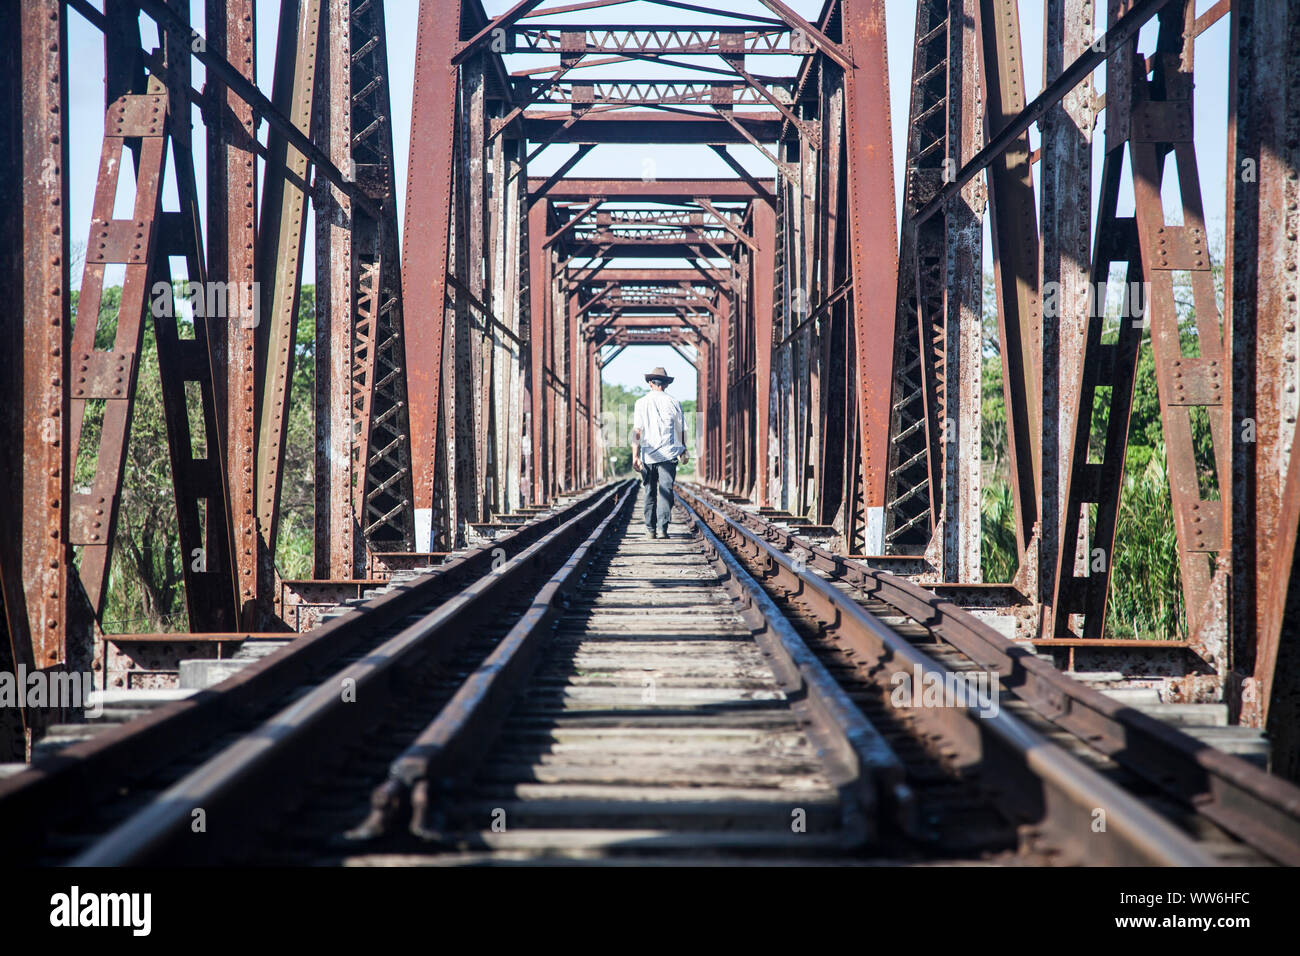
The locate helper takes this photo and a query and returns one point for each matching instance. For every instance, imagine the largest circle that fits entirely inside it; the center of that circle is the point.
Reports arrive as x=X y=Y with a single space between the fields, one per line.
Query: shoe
x=654 y=534
x=664 y=534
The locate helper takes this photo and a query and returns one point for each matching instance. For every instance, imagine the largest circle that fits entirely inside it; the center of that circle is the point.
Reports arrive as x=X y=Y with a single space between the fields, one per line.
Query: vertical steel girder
x=1014 y=227
x=232 y=208
x=1262 y=291
x=1065 y=175
x=280 y=248
x=539 y=288
x=35 y=556
x=556 y=421
x=339 y=238
x=915 y=473
x=835 y=411
x=963 y=360
x=185 y=365
x=934 y=454
x=572 y=384
x=363 y=464
x=471 y=270
x=763 y=303
x=425 y=240
x=507 y=214
x=874 y=244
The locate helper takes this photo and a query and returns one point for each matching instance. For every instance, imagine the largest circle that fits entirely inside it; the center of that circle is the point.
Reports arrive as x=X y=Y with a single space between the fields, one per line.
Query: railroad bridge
x=866 y=262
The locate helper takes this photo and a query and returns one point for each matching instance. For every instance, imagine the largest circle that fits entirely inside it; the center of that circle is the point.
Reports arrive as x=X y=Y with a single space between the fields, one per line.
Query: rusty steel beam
x=1065 y=174
x=805 y=34
x=238 y=84
x=35 y=477
x=612 y=355
x=472 y=192
x=828 y=278
x=1162 y=147
x=719 y=239
x=571 y=222
x=655 y=190
x=232 y=208
x=135 y=132
x=542 y=187
x=381 y=433
x=426 y=239
x=1262 y=291
x=874 y=244
x=336 y=545
x=638 y=92
x=650 y=277
x=641 y=250
x=1121 y=32
x=494 y=28
x=762 y=189
x=914 y=485
x=1014 y=228
x=651 y=127
x=186 y=368
x=956 y=550
x=762 y=315
x=280 y=249
x=574 y=347
x=539 y=282
x=632 y=337
x=624 y=321
x=38 y=541
x=654 y=39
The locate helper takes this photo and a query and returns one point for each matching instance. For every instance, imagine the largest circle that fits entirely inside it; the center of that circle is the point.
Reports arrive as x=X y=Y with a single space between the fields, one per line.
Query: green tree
x=145 y=590
x=295 y=544
x=1145 y=593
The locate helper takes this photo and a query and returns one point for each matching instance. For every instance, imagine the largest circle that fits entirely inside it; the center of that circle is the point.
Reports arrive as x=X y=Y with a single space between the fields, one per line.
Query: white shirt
x=659 y=418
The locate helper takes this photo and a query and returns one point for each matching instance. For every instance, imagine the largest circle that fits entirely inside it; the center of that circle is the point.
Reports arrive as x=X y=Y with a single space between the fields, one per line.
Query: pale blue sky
x=87 y=91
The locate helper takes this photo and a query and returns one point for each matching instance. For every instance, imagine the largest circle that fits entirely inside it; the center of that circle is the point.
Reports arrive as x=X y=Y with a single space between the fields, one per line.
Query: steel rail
x=238 y=785
x=876 y=780
x=451 y=745
x=868 y=774
x=1033 y=779
x=89 y=772
x=1257 y=808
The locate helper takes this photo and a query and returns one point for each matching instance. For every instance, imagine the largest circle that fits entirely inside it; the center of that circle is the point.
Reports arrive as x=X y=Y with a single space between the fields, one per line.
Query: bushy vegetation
x=146 y=586
x=1146 y=598
x=293 y=551
x=145 y=590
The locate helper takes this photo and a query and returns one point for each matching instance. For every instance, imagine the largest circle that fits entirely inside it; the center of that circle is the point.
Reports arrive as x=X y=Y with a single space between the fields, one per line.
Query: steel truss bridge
x=837 y=341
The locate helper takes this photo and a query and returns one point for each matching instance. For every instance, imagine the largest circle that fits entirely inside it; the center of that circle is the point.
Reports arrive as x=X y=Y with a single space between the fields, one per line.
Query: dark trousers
x=658 y=478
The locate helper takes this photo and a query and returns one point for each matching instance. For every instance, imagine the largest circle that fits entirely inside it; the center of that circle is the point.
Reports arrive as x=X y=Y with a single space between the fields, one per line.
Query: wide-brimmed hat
x=659 y=373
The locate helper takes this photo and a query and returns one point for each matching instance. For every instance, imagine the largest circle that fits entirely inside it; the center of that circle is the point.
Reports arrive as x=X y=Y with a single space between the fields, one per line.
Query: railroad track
x=65 y=801
x=727 y=694
x=868 y=620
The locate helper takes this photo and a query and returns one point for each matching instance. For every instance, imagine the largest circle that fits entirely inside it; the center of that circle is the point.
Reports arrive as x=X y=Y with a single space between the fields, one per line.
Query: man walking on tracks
x=658 y=443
